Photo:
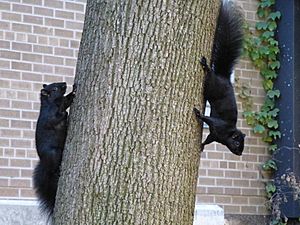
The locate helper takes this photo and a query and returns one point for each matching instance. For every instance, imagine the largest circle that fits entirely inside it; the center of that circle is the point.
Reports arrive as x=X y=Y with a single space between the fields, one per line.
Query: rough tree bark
x=132 y=150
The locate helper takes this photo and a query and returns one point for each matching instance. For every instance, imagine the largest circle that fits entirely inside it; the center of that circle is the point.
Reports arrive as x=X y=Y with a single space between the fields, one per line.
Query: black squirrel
x=50 y=136
x=218 y=90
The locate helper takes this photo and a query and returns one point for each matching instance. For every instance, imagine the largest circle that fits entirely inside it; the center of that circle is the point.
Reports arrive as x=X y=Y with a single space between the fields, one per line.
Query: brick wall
x=39 y=40
x=230 y=181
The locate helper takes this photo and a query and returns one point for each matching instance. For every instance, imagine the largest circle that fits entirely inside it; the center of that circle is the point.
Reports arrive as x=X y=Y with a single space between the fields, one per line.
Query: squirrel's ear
x=44 y=92
x=44 y=85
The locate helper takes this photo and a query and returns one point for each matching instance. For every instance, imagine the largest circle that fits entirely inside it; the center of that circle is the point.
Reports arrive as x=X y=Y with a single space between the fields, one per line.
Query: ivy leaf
x=274 y=15
x=267 y=139
x=261 y=12
x=268 y=84
x=273 y=148
x=274 y=112
x=261 y=25
x=258 y=129
x=275 y=134
x=273 y=93
x=269 y=74
x=272 y=25
x=267 y=34
x=274 y=65
x=273 y=124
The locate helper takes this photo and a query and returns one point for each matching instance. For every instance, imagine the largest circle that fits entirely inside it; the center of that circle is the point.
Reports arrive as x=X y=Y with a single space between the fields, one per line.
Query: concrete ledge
x=20 y=212
x=208 y=215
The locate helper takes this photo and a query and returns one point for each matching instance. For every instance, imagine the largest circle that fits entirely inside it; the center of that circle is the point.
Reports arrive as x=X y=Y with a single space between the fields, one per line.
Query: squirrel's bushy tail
x=45 y=183
x=228 y=40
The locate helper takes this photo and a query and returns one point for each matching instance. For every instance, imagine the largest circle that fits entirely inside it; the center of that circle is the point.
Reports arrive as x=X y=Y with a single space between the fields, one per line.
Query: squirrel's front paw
x=74 y=88
x=197 y=113
x=203 y=62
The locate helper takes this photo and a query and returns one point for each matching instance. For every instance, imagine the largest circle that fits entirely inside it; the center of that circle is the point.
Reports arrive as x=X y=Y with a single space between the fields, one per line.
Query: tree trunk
x=132 y=151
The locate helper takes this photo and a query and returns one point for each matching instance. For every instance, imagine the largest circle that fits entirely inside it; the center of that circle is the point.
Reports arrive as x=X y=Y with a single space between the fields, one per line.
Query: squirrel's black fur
x=50 y=136
x=218 y=90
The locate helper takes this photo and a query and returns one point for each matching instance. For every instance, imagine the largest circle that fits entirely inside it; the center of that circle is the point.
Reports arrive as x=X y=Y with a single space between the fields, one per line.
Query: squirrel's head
x=53 y=91
x=235 y=143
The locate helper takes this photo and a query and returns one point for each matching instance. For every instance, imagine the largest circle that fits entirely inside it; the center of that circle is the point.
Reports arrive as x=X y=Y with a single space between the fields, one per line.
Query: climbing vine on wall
x=262 y=48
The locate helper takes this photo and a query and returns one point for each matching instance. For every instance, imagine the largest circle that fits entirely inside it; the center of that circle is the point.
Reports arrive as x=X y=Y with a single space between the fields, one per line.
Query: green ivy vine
x=262 y=49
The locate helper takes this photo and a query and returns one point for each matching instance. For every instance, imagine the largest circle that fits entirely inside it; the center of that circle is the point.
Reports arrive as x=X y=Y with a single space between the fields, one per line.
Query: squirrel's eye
x=237 y=144
x=55 y=89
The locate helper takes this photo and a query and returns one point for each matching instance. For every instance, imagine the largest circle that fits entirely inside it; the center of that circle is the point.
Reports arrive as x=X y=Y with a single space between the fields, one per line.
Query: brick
x=21 y=85
x=33 y=2
x=8 y=153
x=74 y=44
x=20 y=143
x=21 y=28
x=5 y=64
x=21 y=105
x=20 y=182
x=230 y=209
x=10 y=55
x=64 y=14
x=222 y=199
x=32 y=57
x=74 y=25
x=28 y=115
x=248 y=209
x=3 y=182
x=4 y=83
x=4 y=6
x=32 y=38
x=53 y=60
x=21 y=47
x=43 y=30
x=9 y=173
x=51 y=79
x=20 y=153
x=3 y=162
x=75 y=6
x=249 y=175
x=42 y=49
x=21 y=66
x=43 y=11
x=232 y=191
x=11 y=16
x=4 y=25
x=53 y=4
x=9 y=113
x=215 y=173
x=27 y=193
x=64 y=71
x=70 y=62
x=22 y=8
x=26 y=173
x=9 y=192
x=4 y=142
x=32 y=77
x=232 y=174
x=224 y=182
x=54 y=22
x=248 y=191
x=207 y=181
x=9 y=35
x=215 y=190
x=63 y=33
x=240 y=200
x=43 y=40
x=4 y=122
x=205 y=199
x=10 y=133
x=33 y=19
x=241 y=183
x=42 y=68
x=64 y=43
x=79 y=16
x=29 y=134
